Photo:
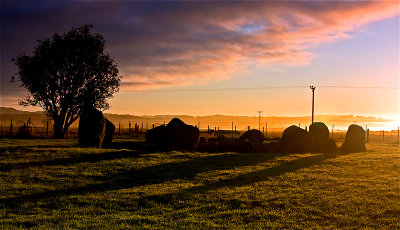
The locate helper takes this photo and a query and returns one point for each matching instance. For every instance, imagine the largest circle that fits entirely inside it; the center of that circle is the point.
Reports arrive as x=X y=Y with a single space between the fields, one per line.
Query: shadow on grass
x=243 y=180
x=80 y=158
x=186 y=169
x=179 y=170
x=77 y=159
x=129 y=144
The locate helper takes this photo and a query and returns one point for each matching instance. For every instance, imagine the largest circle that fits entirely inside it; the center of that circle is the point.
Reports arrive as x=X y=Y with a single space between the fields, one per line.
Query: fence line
x=137 y=129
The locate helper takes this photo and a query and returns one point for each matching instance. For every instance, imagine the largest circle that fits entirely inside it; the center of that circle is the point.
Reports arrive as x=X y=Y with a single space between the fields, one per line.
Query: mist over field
x=220 y=121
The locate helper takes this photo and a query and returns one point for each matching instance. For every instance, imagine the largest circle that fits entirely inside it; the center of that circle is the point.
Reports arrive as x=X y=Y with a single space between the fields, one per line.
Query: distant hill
x=222 y=121
x=6 y=110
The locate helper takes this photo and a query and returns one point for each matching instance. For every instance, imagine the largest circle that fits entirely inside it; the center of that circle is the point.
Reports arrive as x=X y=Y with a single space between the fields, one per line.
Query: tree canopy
x=66 y=74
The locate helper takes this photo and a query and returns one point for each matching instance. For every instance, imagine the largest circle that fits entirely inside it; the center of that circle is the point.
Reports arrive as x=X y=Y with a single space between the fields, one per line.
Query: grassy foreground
x=54 y=184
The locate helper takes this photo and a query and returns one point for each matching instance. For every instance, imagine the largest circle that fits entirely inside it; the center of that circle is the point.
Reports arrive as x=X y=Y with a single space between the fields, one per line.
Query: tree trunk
x=58 y=129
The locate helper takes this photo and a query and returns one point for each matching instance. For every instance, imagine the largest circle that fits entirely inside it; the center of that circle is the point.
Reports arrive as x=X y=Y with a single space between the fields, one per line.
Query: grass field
x=54 y=184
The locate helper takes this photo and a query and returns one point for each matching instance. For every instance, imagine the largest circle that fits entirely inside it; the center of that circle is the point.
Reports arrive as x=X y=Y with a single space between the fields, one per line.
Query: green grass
x=54 y=184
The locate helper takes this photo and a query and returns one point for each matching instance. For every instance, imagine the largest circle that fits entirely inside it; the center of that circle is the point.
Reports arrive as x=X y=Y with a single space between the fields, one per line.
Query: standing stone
x=295 y=140
x=324 y=146
x=92 y=128
x=251 y=141
x=321 y=143
x=109 y=133
x=252 y=135
x=25 y=132
x=354 y=140
x=176 y=135
x=319 y=131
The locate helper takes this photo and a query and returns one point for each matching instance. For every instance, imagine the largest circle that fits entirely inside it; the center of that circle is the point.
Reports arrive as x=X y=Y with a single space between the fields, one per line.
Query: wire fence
x=137 y=129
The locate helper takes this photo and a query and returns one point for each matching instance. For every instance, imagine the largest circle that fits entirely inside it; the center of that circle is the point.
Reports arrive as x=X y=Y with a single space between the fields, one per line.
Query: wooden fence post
x=266 y=129
x=232 y=130
x=11 y=127
x=398 y=135
x=129 y=129
x=367 y=135
x=333 y=127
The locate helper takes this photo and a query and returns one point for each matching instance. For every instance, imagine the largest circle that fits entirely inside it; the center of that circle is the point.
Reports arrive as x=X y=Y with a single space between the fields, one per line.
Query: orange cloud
x=212 y=42
x=160 y=44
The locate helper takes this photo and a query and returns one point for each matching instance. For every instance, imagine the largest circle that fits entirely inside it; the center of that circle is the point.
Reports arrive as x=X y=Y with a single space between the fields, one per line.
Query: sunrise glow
x=172 y=47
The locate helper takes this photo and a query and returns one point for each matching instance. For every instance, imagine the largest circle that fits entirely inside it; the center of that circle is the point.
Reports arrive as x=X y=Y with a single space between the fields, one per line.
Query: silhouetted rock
x=212 y=140
x=176 y=135
x=354 y=140
x=24 y=132
x=176 y=123
x=251 y=141
x=158 y=137
x=321 y=143
x=227 y=144
x=319 y=132
x=92 y=128
x=221 y=139
x=203 y=140
x=295 y=139
x=207 y=148
x=252 y=135
x=272 y=147
x=109 y=133
x=324 y=146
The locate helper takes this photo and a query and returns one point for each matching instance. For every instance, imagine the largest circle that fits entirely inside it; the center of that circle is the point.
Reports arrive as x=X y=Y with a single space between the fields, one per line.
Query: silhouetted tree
x=67 y=73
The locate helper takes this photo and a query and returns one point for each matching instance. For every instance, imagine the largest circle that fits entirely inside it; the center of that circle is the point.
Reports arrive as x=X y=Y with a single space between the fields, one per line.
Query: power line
x=261 y=88
x=358 y=87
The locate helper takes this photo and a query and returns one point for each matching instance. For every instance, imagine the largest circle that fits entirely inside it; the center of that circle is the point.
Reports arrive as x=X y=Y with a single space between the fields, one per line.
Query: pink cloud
x=160 y=44
x=213 y=42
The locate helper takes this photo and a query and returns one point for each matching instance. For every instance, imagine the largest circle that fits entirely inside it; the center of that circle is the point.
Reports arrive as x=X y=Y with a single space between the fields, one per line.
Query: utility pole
x=312 y=114
x=259 y=119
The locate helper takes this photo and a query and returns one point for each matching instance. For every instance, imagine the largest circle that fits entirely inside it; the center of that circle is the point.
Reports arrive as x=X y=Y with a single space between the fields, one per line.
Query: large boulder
x=210 y=145
x=251 y=141
x=158 y=137
x=272 y=147
x=319 y=132
x=94 y=130
x=354 y=140
x=226 y=144
x=324 y=146
x=321 y=143
x=295 y=140
x=25 y=132
x=252 y=135
x=109 y=133
x=176 y=135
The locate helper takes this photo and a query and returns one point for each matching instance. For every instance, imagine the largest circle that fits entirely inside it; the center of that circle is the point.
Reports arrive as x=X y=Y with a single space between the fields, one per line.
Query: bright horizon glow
x=197 y=45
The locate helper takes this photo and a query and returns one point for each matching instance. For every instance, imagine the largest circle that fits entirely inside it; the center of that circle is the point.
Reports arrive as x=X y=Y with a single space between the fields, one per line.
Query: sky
x=174 y=56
